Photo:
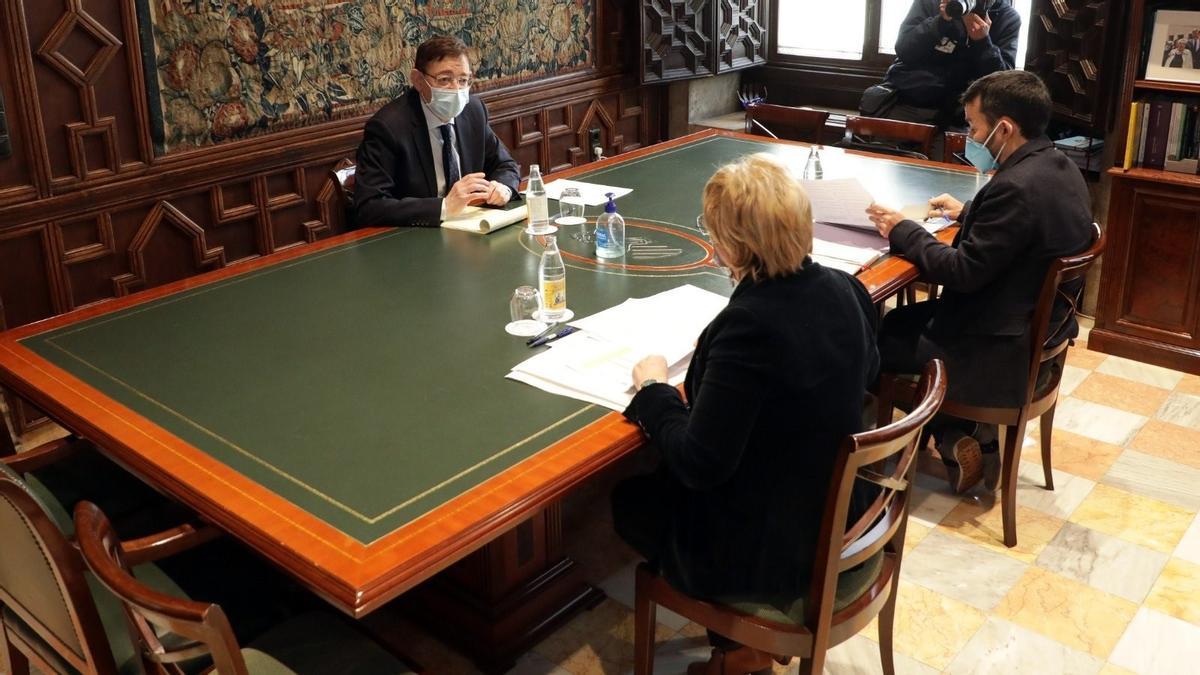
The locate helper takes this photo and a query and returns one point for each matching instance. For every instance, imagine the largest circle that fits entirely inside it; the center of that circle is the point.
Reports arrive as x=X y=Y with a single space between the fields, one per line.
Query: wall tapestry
x=218 y=70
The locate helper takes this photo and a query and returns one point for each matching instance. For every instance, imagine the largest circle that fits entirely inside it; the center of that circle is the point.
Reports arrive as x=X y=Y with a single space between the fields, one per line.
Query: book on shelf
x=1164 y=134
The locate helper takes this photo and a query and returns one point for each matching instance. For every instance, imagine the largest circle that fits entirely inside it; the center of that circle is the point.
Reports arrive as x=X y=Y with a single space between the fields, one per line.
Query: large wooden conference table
x=343 y=410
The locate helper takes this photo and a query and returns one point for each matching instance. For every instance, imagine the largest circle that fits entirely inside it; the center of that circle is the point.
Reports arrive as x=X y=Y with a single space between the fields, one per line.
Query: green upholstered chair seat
x=851 y=585
x=317 y=643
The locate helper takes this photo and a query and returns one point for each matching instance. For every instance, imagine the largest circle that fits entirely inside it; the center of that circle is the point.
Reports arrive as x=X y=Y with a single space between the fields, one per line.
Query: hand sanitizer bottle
x=552 y=282
x=610 y=231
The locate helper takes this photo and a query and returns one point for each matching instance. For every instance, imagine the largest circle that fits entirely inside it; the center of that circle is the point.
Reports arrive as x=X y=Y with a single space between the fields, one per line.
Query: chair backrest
x=342 y=175
x=203 y=626
x=885 y=457
x=954 y=150
x=1059 y=277
x=796 y=124
x=42 y=584
x=873 y=131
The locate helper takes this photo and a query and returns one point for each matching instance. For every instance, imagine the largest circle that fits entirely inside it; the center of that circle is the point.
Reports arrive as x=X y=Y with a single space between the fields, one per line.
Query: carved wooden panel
x=89 y=96
x=1072 y=47
x=741 y=34
x=677 y=39
x=17 y=178
x=1160 y=293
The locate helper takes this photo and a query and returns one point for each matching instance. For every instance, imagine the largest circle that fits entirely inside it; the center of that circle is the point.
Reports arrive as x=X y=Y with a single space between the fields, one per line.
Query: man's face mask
x=447 y=103
x=978 y=154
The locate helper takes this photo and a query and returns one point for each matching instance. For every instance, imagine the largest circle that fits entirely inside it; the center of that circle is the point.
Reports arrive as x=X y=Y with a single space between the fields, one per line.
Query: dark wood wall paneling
x=87 y=212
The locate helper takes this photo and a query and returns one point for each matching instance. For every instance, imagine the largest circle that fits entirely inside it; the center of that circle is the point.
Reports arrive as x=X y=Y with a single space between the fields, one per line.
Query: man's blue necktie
x=449 y=166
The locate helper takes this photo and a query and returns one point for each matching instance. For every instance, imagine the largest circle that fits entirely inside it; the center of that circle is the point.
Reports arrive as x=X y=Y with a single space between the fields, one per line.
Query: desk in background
x=342 y=409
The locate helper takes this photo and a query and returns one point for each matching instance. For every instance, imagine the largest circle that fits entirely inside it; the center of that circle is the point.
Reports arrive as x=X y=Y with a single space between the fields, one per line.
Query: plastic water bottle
x=539 y=209
x=552 y=281
x=610 y=231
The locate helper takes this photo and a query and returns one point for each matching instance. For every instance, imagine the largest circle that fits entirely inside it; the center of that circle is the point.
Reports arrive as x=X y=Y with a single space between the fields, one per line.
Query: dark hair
x=1018 y=94
x=438 y=48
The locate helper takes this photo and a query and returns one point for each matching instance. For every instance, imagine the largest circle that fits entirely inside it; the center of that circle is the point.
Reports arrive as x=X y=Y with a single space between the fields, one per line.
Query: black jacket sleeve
x=499 y=165
x=703 y=446
x=920 y=32
x=378 y=200
x=999 y=231
x=998 y=51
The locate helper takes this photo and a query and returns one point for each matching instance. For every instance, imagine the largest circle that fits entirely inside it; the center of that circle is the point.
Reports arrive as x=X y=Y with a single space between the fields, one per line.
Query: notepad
x=480 y=220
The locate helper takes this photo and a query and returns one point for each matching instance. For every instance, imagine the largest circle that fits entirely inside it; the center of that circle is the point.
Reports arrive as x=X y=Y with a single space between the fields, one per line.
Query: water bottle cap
x=611 y=206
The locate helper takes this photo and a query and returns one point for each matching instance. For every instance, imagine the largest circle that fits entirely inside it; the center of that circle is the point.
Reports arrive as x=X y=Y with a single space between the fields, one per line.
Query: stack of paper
x=841 y=201
x=593 y=194
x=596 y=363
x=852 y=259
x=482 y=220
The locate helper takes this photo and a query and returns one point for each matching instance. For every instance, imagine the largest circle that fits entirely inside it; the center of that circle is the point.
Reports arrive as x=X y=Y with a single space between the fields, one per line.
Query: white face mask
x=448 y=103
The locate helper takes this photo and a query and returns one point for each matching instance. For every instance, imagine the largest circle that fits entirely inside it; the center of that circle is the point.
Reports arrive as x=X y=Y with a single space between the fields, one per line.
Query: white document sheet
x=850 y=258
x=841 y=201
x=592 y=193
x=596 y=363
x=481 y=220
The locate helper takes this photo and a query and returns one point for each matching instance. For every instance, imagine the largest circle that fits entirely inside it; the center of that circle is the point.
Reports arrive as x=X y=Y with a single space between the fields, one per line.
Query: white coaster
x=525 y=328
x=567 y=315
x=570 y=220
x=548 y=229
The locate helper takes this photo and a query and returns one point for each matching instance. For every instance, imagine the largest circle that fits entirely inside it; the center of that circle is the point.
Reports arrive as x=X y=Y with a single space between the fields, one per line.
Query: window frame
x=873 y=62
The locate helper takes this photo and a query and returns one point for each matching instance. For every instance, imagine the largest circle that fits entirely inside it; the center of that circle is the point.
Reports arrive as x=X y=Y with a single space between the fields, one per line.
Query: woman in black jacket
x=776 y=383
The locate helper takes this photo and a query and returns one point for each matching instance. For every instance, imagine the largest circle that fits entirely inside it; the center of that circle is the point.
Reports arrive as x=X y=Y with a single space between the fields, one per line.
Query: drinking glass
x=521 y=308
x=570 y=207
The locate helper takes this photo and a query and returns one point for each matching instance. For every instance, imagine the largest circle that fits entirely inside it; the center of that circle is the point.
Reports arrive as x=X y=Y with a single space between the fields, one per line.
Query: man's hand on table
x=945 y=206
x=884 y=218
x=472 y=188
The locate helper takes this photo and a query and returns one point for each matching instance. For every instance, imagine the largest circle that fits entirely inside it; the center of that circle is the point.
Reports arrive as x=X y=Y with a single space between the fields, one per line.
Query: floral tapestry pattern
x=219 y=70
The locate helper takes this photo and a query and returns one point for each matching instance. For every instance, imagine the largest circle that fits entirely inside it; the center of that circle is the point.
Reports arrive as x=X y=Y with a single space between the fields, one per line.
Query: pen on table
x=567 y=330
x=549 y=329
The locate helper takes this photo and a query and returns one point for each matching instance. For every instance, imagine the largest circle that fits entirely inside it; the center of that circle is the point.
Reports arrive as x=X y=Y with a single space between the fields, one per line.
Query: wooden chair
x=1040 y=401
x=875 y=134
x=954 y=150
x=787 y=122
x=865 y=555
x=50 y=616
x=169 y=631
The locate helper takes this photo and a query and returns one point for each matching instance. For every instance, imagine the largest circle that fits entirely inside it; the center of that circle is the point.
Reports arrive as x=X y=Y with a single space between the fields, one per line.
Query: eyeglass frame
x=444 y=81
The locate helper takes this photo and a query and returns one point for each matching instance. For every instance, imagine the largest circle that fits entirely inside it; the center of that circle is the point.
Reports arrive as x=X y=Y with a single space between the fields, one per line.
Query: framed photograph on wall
x=1174 y=47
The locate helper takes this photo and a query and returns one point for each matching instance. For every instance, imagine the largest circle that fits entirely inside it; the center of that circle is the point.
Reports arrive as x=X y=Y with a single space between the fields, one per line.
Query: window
x=838 y=30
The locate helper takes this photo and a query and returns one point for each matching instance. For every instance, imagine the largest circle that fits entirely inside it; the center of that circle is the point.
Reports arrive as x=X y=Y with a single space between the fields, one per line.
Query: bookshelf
x=1149 y=303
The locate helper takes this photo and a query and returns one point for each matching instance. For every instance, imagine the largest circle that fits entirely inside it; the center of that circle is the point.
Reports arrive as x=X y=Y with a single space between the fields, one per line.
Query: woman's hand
x=650 y=368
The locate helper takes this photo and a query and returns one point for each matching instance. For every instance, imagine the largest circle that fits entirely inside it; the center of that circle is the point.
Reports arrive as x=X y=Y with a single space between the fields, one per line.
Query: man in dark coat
x=1035 y=209
x=430 y=153
x=937 y=57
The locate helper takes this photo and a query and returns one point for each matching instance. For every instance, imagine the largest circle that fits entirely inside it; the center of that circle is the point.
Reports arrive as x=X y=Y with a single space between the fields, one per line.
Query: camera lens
x=956 y=8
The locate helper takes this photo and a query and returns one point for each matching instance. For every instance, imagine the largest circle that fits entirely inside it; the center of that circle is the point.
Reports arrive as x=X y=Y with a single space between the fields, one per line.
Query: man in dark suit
x=1035 y=209
x=430 y=153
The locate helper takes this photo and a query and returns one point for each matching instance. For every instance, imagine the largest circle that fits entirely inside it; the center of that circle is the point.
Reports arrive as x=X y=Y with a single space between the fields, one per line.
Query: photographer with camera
x=943 y=46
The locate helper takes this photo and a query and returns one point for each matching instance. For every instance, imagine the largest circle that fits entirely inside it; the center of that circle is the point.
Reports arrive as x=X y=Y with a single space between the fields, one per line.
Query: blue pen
x=562 y=333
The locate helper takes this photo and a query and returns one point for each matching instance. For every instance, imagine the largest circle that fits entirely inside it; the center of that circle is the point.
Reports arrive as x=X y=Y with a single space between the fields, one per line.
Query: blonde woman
x=776 y=382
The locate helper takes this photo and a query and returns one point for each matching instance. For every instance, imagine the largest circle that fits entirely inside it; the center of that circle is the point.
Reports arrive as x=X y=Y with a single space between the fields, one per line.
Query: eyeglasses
x=448 y=81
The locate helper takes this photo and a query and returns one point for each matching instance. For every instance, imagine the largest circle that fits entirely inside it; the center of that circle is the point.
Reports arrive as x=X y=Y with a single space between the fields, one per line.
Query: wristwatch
x=647 y=382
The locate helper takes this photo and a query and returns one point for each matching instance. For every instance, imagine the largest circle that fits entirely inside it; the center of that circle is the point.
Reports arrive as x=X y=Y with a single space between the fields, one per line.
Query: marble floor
x=1106 y=578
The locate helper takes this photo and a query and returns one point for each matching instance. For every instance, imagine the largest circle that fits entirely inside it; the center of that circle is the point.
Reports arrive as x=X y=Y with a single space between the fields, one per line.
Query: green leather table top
x=365 y=383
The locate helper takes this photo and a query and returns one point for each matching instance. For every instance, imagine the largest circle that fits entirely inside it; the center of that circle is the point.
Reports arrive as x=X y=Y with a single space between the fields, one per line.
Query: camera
x=955 y=9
